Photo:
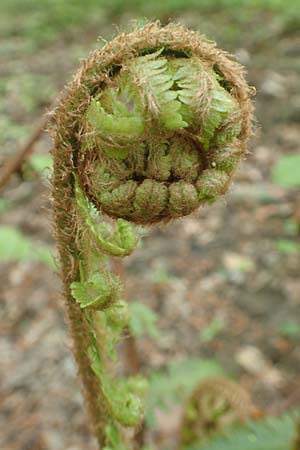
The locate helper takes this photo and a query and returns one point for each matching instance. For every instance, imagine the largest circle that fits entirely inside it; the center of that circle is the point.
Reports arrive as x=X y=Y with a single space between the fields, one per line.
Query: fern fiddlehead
x=153 y=125
x=215 y=404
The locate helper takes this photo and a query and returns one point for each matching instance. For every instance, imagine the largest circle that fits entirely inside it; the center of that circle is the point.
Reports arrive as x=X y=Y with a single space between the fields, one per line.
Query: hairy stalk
x=153 y=126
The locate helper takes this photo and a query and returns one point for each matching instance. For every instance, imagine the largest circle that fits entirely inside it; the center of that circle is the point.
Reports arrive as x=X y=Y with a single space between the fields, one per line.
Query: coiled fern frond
x=153 y=125
x=216 y=403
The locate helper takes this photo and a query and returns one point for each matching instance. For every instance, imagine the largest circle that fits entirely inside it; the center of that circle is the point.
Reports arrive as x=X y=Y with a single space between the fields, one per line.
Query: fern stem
x=79 y=329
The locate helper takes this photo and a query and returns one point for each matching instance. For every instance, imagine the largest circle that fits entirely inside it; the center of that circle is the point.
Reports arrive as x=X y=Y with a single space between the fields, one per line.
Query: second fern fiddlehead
x=215 y=404
x=153 y=126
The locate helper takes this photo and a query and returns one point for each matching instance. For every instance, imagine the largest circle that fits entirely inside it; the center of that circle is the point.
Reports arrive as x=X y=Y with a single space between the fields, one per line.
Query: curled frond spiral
x=156 y=122
x=152 y=126
x=216 y=403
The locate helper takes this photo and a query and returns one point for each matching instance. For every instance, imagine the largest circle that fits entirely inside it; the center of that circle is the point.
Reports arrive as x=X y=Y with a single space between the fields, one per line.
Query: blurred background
x=218 y=292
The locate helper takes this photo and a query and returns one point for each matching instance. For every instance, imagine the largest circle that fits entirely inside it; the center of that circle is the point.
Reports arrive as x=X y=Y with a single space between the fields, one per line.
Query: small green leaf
x=118 y=314
x=138 y=385
x=120 y=242
x=127 y=407
x=156 y=82
x=113 y=439
x=125 y=235
x=99 y=290
x=120 y=123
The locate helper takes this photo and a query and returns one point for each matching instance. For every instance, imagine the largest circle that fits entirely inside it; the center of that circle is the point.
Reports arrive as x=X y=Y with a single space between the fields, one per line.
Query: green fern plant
x=152 y=127
x=220 y=415
x=271 y=433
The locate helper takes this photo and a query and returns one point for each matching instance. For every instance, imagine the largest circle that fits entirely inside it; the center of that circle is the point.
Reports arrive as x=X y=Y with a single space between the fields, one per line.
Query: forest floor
x=222 y=281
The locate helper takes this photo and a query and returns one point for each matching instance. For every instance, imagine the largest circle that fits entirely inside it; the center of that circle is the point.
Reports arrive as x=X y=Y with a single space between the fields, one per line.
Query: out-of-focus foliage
x=39 y=22
x=31 y=91
x=41 y=163
x=11 y=130
x=272 y=433
x=161 y=276
x=286 y=171
x=212 y=330
x=176 y=382
x=291 y=227
x=288 y=247
x=142 y=321
x=14 y=246
x=290 y=330
x=4 y=205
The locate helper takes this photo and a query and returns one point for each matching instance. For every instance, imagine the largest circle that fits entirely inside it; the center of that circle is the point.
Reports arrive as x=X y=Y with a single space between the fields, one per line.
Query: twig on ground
x=14 y=164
